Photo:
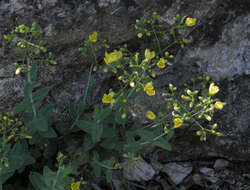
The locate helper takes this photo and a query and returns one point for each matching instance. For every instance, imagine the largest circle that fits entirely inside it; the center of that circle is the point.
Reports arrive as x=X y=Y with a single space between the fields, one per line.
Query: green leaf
x=40 y=94
x=92 y=128
x=163 y=144
x=95 y=165
x=97 y=132
x=73 y=111
x=4 y=177
x=170 y=134
x=22 y=106
x=96 y=168
x=109 y=132
x=37 y=181
x=85 y=125
x=87 y=144
x=146 y=135
x=132 y=147
x=40 y=123
x=50 y=133
x=81 y=107
x=46 y=111
x=27 y=90
x=33 y=72
x=108 y=144
x=108 y=174
x=104 y=113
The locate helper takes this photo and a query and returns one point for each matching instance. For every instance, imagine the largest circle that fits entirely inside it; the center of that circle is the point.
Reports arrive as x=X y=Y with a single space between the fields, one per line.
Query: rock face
x=219 y=47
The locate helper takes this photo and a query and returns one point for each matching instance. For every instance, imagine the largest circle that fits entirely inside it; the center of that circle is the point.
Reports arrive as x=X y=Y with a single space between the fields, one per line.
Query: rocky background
x=219 y=47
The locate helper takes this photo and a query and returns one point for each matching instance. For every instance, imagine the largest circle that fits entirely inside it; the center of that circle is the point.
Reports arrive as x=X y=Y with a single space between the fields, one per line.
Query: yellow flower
x=190 y=21
x=108 y=98
x=213 y=89
x=132 y=84
x=150 y=115
x=149 y=89
x=218 y=134
x=112 y=57
x=161 y=63
x=149 y=54
x=75 y=185
x=18 y=70
x=105 y=70
x=177 y=122
x=219 y=105
x=198 y=133
x=93 y=37
x=185 y=40
x=124 y=115
x=139 y=35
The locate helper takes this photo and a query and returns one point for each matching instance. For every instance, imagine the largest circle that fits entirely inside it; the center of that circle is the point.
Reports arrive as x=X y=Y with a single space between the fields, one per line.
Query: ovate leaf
x=40 y=123
x=40 y=94
x=33 y=72
x=163 y=144
x=37 y=181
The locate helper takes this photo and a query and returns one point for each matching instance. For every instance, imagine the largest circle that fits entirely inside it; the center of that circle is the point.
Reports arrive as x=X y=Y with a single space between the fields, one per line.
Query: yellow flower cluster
x=219 y=105
x=213 y=89
x=93 y=37
x=161 y=63
x=177 y=122
x=150 y=115
x=108 y=98
x=112 y=57
x=75 y=185
x=149 y=55
x=190 y=21
x=139 y=35
x=149 y=89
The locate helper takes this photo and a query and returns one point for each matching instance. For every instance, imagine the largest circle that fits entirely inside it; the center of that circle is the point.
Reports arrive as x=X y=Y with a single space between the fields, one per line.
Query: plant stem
x=57 y=175
x=30 y=95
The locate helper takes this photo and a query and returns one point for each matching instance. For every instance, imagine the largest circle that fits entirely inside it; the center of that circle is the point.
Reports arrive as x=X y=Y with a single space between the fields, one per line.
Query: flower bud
x=208 y=117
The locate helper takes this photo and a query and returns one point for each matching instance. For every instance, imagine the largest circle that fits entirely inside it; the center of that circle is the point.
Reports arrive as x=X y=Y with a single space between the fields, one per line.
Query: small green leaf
x=50 y=133
x=109 y=132
x=132 y=147
x=92 y=128
x=40 y=94
x=46 y=111
x=21 y=106
x=73 y=111
x=40 y=123
x=108 y=174
x=96 y=169
x=108 y=144
x=37 y=181
x=146 y=135
x=27 y=90
x=163 y=144
x=33 y=72
x=87 y=144
x=97 y=132
x=85 y=125
x=170 y=134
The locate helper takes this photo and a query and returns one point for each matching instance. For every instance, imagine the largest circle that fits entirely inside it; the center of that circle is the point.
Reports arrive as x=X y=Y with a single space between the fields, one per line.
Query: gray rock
x=142 y=172
x=207 y=171
x=227 y=57
x=178 y=172
x=220 y=164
